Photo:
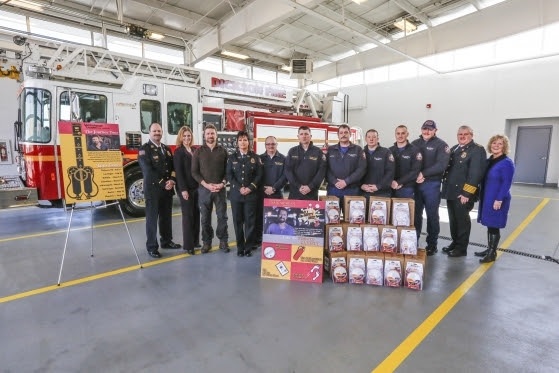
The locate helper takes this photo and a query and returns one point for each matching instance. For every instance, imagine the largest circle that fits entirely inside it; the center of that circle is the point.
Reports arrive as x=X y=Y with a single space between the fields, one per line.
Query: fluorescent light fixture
x=358 y=1
x=405 y=25
x=26 y=5
x=155 y=36
x=234 y=55
x=286 y=68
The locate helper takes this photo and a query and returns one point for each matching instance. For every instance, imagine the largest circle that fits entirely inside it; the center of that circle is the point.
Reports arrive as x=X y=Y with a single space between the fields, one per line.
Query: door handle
x=543 y=158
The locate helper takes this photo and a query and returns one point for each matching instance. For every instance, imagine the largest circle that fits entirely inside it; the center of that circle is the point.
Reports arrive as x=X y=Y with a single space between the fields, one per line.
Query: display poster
x=293 y=240
x=91 y=161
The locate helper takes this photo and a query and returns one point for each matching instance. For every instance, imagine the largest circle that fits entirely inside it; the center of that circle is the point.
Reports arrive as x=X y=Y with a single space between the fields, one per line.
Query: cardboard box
x=335 y=239
x=408 y=240
x=379 y=210
x=403 y=212
x=375 y=268
x=388 y=239
x=354 y=238
x=371 y=237
x=414 y=277
x=355 y=208
x=393 y=269
x=332 y=209
x=335 y=263
x=356 y=262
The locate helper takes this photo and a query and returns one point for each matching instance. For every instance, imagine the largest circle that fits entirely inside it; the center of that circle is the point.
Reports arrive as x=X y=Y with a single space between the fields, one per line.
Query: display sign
x=91 y=161
x=293 y=240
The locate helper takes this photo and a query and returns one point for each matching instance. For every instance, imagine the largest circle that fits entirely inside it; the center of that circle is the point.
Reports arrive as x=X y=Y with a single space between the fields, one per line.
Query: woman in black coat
x=187 y=190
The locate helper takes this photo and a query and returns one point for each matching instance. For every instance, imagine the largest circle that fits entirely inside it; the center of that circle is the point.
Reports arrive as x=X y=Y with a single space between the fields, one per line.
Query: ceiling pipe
x=335 y=23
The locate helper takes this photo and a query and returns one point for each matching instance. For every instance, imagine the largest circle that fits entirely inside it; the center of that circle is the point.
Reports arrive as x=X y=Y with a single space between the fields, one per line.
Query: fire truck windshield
x=36 y=115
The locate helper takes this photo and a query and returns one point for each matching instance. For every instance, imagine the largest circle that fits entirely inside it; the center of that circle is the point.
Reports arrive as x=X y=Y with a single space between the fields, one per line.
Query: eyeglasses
x=270 y=144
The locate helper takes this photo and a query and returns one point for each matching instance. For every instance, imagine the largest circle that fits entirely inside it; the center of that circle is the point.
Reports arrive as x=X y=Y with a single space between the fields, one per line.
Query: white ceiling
x=338 y=35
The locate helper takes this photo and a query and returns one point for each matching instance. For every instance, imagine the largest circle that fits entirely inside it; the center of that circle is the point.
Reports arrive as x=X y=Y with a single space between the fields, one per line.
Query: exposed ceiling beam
x=291 y=46
x=412 y=10
x=476 y=4
x=172 y=9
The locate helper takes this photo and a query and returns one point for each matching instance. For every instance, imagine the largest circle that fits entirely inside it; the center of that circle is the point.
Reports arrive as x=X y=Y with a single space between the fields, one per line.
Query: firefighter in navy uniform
x=380 y=168
x=408 y=164
x=305 y=167
x=244 y=173
x=156 y=162
x=461 y=187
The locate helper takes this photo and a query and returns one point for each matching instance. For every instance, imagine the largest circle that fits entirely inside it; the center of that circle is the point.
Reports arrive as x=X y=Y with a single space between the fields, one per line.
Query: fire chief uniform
x=244 y=170
x=157 y=168
x=462 y=178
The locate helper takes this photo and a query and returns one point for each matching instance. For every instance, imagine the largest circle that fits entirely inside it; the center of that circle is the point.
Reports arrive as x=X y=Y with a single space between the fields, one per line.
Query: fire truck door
x=181 y=108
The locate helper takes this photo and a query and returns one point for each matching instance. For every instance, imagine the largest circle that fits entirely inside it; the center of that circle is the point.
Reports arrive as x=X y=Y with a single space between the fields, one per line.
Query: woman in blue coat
x=494 y=202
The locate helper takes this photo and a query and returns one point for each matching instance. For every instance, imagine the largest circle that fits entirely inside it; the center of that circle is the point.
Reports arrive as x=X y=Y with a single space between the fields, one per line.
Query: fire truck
x=66 y=82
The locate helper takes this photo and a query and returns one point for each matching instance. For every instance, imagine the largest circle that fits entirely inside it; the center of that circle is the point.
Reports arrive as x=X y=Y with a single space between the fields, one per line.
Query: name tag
x=313 y=158
x=278 y=163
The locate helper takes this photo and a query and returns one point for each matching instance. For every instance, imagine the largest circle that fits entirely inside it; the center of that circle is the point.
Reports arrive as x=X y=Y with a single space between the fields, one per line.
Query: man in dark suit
x=156 y=161
x=461 y=188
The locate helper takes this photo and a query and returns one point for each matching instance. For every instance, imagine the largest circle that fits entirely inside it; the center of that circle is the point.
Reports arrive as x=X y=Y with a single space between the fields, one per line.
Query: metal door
x=531 y=155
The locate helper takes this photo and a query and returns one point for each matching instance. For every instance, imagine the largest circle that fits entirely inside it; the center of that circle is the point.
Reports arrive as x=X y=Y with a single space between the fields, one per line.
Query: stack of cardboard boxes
x=375 y=244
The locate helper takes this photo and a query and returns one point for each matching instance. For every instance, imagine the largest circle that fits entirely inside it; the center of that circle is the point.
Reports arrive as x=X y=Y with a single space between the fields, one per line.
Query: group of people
x=426 y=170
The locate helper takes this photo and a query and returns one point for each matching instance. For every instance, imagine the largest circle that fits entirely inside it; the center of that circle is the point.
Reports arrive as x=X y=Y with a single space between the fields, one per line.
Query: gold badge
x=252 y=160
x=464 y=155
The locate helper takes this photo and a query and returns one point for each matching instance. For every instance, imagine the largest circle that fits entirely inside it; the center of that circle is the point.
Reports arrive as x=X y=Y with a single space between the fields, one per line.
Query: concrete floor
x=211 y=313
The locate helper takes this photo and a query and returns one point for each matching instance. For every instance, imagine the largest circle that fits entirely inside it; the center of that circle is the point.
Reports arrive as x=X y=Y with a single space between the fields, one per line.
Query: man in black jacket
x=156 y=162
x=380 y=168
x=461 y=187
x=408 y=164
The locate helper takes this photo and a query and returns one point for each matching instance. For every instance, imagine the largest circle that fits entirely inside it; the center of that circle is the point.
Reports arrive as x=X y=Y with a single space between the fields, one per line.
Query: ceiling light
x=405 y=25
x=285 y=68
x=234 y=55
x=155 y=36
x=358 y=1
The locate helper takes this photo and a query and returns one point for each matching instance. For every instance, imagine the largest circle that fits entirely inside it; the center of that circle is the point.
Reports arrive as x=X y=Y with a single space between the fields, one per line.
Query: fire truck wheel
x=134 y=204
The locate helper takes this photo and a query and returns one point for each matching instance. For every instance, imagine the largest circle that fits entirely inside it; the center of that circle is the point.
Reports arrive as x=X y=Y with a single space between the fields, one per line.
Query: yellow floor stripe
x=409 y=344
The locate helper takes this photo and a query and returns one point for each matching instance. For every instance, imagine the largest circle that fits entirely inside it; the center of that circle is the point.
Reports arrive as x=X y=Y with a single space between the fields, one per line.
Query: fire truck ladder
x=80 y=62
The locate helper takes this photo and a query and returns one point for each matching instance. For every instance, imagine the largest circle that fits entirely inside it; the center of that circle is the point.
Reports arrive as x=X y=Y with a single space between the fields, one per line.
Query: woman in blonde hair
x=187 y=190
x=495 y=197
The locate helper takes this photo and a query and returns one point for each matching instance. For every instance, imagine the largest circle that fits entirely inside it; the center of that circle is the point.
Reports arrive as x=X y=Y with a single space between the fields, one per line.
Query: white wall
x=8 y=115
x=483 y=99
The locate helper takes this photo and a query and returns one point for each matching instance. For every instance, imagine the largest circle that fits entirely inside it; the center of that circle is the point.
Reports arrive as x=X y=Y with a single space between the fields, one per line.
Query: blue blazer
x=496 y=187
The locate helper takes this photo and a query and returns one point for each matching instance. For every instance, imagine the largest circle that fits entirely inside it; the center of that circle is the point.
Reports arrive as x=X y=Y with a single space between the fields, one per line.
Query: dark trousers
x=428 y=197
x=259 y=230
x=158 y=211
x=244 y=221
x=207 y=200
x=404 y=192
x=295 y=194
x=459 y=222
x=190 y=220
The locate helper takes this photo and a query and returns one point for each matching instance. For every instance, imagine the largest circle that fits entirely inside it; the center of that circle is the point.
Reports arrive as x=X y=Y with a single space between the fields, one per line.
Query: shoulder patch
x=419 y=157
x=447 y=150
x=391 y=158
x=142 y=152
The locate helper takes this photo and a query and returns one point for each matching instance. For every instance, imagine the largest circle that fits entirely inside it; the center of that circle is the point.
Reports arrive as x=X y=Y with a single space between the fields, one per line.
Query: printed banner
x=293 y=240
x=91 y=161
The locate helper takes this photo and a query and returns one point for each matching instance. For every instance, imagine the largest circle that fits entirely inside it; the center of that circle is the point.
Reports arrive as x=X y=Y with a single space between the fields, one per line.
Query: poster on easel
x=91 y=161
x=293 y=240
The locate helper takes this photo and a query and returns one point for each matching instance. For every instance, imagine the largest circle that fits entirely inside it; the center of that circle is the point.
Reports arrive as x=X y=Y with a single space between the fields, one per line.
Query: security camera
x=19 y=40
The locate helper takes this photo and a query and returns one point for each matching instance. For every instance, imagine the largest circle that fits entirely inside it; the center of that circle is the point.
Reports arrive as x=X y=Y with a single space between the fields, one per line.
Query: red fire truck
x=62 y=82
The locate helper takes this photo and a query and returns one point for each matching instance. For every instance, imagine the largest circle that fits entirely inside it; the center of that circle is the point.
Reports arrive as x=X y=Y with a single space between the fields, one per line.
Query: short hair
x=371 y=131
x=467 y=128
x=271 y=137
x=182 y=130
x=506 y=143
x=151 y=125
x=402 y=126
x=242 y=134
x=210 y=126
x=343 y=126
x=283 y=209
x=304 y=128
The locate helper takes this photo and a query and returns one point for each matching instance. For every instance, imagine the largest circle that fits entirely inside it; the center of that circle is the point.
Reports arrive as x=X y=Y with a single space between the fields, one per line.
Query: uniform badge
x=464 y=155
x=419 y=157
x=391 y=158
x=252 y=160
x=447 y=150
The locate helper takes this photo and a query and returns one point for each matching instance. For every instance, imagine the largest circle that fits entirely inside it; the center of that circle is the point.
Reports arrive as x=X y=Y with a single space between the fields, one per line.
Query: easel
x=91 y=208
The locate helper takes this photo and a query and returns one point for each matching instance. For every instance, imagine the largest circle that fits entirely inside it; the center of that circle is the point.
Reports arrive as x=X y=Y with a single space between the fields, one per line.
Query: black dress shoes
x=191 y=252
x=171 y=245
x=154 y=254
x=457 y=252
x=248 y=252
x=448 y=249
x=240 y=253
x=431 y=250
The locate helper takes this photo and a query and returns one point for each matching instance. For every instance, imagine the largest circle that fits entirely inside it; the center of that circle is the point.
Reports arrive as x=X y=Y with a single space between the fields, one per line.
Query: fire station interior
x=79 y=291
